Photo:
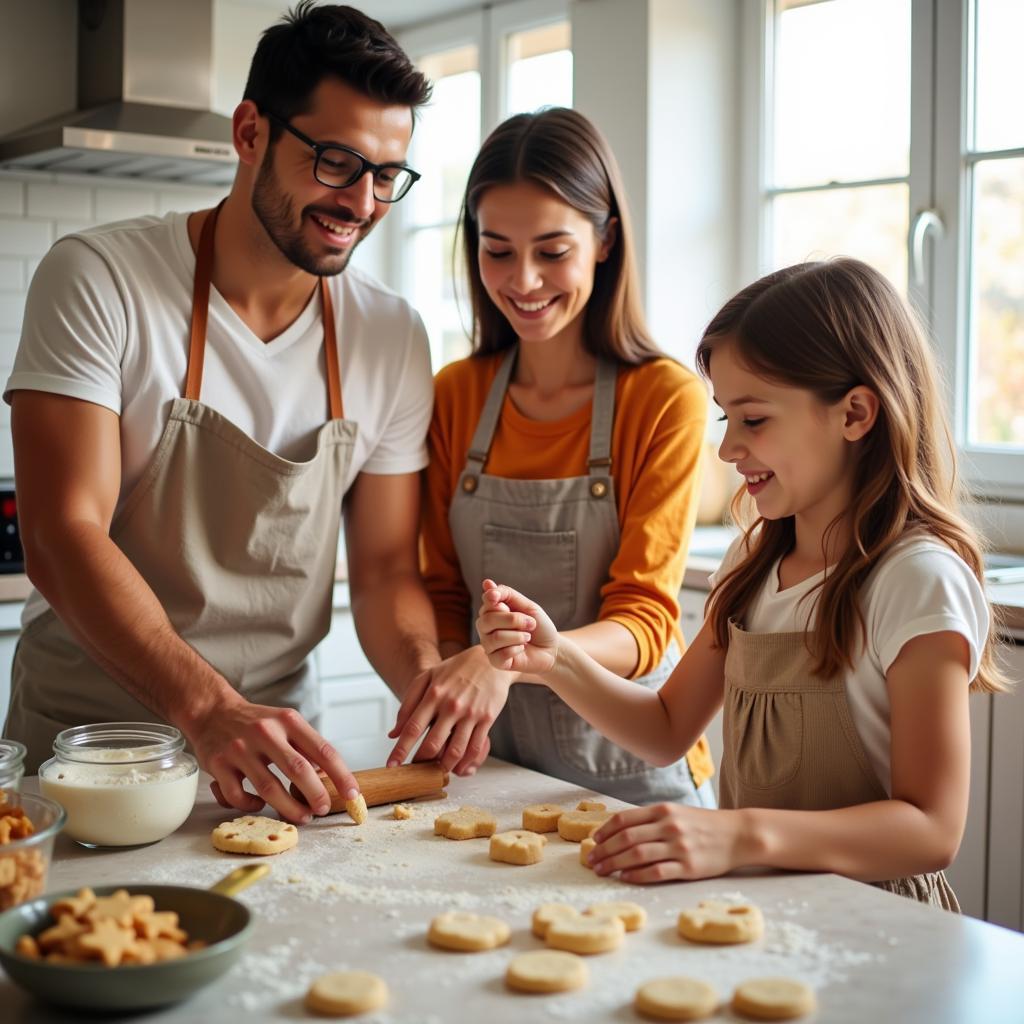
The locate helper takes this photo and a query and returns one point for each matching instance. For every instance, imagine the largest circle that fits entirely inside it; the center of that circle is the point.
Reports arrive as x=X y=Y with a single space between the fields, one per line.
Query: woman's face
x=537 y=256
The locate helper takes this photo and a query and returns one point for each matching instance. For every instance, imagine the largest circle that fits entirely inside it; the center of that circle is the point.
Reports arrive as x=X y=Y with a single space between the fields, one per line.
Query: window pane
x=869 y=223
x=447 y=136
x=436 y=286
x=996 y=387
x=842 y=91
x=999 y=74
x=539 y=69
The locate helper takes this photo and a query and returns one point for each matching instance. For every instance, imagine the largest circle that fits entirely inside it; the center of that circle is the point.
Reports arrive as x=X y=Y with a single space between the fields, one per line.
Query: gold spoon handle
x=241 y=878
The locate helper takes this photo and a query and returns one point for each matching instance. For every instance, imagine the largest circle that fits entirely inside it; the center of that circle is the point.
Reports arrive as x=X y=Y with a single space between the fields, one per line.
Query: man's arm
x=67 y=457
x=393 y=615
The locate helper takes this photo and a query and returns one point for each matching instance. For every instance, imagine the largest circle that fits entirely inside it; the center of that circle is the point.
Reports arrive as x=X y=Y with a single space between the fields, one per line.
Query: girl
x=563 y=458
x=843 y=627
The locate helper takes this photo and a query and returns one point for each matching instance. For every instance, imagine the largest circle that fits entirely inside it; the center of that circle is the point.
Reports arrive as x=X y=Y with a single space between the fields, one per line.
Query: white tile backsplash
x=12 y=308
x=21 y=237
x=12 y=197
x=123 y=205
x=49 y=200
x=12 y=274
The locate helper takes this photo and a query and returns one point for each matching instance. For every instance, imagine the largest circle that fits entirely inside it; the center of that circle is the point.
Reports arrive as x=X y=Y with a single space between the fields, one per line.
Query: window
x=890 y=130
x=484 y=66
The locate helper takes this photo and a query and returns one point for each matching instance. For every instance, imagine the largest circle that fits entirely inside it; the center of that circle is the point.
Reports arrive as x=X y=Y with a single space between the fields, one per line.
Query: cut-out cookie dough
x=344 y=993
x=676 y=999
x=773 y=999
x=546 y=970
x=632 y=915
x=542 y=817
x=517 y=847
x=548 y=912
x=586 y=845
x=467 y=933
x=722 y=923
x=577 y=825
x=251 y=834
x=591 y=805
x=585 y=935
x=465 y=823
x=357 y=809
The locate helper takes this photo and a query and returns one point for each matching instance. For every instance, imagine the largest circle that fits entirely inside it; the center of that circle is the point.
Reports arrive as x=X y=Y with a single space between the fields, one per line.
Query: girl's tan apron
x=789 y=742
x=554 y=540
x=238 y=545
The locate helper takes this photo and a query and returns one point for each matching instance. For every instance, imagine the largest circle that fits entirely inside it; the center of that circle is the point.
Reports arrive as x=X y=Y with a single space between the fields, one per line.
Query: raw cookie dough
x=546 y=970
x=577 y=825
x=542 y=817
x=773 y=999
x=401 y=813
x=467 y=933
x=586 y=845
x=724 y=923
x=591 y=805
x=517 y=847
x=465 y=823
x=357 y=808
x=632 y=915
x=251 y=834
x=676 y=999
x=585 y=934
x=343 y=993
x=548 y=912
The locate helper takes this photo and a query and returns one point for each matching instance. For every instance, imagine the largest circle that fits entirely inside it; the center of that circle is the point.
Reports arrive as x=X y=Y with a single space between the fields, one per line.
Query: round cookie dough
x=773 y=999
x=585 y=935
x=586 y=845
x=548 y=912
x=344 y=993
x=721 y=923
x=676 y=999
x=546 y=970
x=467 y=933
x=591 y=805
x=577 y=825
x=542 y=817
x=252 y=834
x=517 y=847
x=632 y=915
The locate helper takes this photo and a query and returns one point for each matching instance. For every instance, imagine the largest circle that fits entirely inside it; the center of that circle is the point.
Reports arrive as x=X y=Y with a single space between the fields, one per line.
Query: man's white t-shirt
x=107 y=321
x=919 y=586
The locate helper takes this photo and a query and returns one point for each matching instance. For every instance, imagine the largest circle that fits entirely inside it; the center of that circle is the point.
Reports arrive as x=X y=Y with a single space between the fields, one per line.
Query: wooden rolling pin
x=388 y=785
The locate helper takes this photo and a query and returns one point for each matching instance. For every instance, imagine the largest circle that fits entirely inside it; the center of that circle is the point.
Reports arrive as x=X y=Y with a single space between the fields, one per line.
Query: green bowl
x=220 y=921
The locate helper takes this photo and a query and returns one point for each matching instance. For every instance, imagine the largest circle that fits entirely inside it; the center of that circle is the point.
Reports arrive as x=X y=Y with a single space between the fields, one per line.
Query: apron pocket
x=542 y=566
x=767 y=737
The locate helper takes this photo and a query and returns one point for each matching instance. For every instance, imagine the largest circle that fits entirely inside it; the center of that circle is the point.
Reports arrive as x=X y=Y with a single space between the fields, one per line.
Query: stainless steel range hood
x=145 y=88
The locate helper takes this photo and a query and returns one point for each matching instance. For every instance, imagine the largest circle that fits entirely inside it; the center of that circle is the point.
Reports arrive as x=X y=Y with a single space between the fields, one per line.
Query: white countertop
x=361 y=897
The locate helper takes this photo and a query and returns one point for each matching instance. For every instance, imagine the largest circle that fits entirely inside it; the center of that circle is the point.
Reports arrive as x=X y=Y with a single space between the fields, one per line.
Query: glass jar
x=121 y=783
x=12 y=768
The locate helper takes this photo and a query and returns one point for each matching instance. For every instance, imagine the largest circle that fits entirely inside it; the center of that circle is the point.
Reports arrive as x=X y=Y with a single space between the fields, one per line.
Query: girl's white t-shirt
x=107 y=321
x=918 y=587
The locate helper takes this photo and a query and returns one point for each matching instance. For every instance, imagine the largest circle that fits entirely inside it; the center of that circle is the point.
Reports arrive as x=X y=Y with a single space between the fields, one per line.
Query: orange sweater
x=660 y=417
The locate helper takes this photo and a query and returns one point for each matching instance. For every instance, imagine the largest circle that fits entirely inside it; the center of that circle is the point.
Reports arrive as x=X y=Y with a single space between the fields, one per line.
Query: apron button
x=469 y=484
x=598 y=488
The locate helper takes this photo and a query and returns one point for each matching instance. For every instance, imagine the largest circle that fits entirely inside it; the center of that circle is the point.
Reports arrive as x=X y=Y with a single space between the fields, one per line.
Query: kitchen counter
x=361 y=897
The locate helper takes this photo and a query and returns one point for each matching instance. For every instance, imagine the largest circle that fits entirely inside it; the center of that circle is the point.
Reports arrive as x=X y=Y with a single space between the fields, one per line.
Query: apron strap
x=602 y=419
x=200 y=310
x=488 y=422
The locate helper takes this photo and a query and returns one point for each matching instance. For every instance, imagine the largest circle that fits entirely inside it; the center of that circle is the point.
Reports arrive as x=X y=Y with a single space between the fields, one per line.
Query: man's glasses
x=340 y=167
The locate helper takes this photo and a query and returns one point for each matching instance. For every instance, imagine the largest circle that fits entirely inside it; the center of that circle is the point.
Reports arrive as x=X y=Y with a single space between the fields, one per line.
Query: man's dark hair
x=313 y=42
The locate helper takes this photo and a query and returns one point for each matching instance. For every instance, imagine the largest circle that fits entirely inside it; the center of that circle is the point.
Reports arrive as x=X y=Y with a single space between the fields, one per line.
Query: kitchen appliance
x=12 y=558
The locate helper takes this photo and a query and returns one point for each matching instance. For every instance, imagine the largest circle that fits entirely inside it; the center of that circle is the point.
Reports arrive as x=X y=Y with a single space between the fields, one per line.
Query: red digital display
x=8 y=508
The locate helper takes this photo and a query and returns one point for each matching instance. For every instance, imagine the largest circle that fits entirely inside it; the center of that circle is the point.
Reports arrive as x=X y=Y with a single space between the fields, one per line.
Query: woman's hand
x=666 y=842
x=461 y=697
x=516 y=634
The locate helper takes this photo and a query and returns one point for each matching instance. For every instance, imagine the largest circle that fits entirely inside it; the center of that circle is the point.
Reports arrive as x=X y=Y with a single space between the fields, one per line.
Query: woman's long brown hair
x=828 y=327
x=560 y=150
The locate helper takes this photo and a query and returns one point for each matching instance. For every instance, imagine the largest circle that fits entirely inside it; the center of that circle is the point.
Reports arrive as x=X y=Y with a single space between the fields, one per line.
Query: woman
x=564 y=461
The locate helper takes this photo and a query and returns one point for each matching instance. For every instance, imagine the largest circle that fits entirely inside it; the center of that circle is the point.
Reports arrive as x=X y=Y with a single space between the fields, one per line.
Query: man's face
x=315 y=227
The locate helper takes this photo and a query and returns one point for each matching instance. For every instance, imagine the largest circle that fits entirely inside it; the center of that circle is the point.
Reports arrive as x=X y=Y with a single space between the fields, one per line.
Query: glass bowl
x=25 y=863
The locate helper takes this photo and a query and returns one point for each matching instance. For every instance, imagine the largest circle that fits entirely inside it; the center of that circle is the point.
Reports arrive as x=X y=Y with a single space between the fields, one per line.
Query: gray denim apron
x=554 y=541
x=238 y=545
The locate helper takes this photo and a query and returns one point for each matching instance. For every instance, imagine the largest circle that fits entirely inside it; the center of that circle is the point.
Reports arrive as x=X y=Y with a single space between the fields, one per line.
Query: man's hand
x=461 y=697
x=516 y=634
x=238 y=740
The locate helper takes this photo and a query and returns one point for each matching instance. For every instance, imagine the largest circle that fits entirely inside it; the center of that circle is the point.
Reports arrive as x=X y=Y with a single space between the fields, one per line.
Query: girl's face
x=794 y=451
x=537 y=256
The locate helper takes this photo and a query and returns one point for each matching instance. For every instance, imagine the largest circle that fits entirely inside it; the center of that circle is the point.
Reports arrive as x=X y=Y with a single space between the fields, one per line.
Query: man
x=193 y=396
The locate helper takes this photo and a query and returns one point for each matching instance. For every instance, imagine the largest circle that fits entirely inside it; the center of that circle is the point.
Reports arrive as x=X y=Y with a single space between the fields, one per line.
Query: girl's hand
x=665 y=842
x=461 y=697
x=515 y=633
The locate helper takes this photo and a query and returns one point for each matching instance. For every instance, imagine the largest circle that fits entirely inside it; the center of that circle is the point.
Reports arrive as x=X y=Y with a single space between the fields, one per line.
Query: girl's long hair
x=828 y=327
x=560 y=150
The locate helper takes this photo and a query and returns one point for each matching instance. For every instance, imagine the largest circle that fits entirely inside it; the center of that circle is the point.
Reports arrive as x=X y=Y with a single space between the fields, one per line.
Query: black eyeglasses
x=340 y=167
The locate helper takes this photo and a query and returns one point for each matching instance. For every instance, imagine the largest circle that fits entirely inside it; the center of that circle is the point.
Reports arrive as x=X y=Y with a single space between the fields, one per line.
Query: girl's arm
x=918 y=830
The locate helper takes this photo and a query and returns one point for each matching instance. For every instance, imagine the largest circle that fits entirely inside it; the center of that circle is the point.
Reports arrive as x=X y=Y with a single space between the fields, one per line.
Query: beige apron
x=238 y=545
x=790 y=742
x=554 y=540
